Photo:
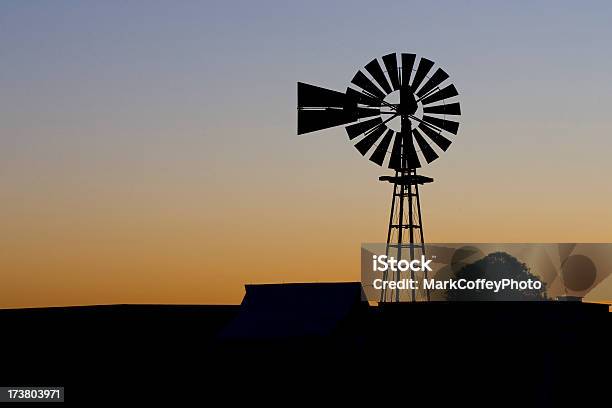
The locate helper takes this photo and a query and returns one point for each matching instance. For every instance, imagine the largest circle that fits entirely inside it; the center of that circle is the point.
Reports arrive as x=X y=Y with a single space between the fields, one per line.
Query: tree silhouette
x=497 y=266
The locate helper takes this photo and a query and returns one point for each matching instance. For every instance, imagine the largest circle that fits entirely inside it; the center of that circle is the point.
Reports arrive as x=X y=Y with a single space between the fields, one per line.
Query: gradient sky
x=148 y=150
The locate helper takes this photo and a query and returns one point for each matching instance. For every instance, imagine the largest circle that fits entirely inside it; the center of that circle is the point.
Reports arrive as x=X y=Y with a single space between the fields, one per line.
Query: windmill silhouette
x=398 y=93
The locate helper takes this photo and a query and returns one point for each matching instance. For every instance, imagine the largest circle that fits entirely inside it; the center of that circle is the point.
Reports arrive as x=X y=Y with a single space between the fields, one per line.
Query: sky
x=148 y=150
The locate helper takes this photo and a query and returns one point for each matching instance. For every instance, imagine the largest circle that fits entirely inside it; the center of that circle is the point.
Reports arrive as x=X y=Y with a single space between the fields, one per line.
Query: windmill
x=397 y=117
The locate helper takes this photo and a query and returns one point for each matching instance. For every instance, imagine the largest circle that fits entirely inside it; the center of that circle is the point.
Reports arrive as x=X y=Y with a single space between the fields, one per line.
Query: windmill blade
x=436 y=79
x=448 y=125
x=409 y=150
x=395 y=160
x=358 y=128
x=364 y=83
x=373 y=67
x=311 y=96
x=429 y=153
x=390 y=61
x=421 y=72
x=450 y=109
x=313 y=120
x=361 y=98
x=442 y=142
x=407 y=65
x=367 y=142
x=379 y=154
x=444 y=93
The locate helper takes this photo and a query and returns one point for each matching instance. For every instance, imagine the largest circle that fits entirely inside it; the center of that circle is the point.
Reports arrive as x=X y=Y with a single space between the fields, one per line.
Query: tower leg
x=421 y=234
x=383 y=292
x=405 y=233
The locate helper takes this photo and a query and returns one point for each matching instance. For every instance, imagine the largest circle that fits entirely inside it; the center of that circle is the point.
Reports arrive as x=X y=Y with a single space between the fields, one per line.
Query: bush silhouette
x=496 y=266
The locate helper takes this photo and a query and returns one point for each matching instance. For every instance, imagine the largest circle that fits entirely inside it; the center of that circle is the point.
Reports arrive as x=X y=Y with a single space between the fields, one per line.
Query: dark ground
x=538 y=354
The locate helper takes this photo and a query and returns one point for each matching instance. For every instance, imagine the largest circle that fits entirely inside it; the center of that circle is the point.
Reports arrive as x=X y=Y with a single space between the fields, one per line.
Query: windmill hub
x=410 y=111
x=408 y=104
x=405 y=92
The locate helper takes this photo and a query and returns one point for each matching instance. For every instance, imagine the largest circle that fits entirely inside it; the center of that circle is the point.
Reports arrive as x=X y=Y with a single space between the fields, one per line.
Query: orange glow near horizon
x=154 y=248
